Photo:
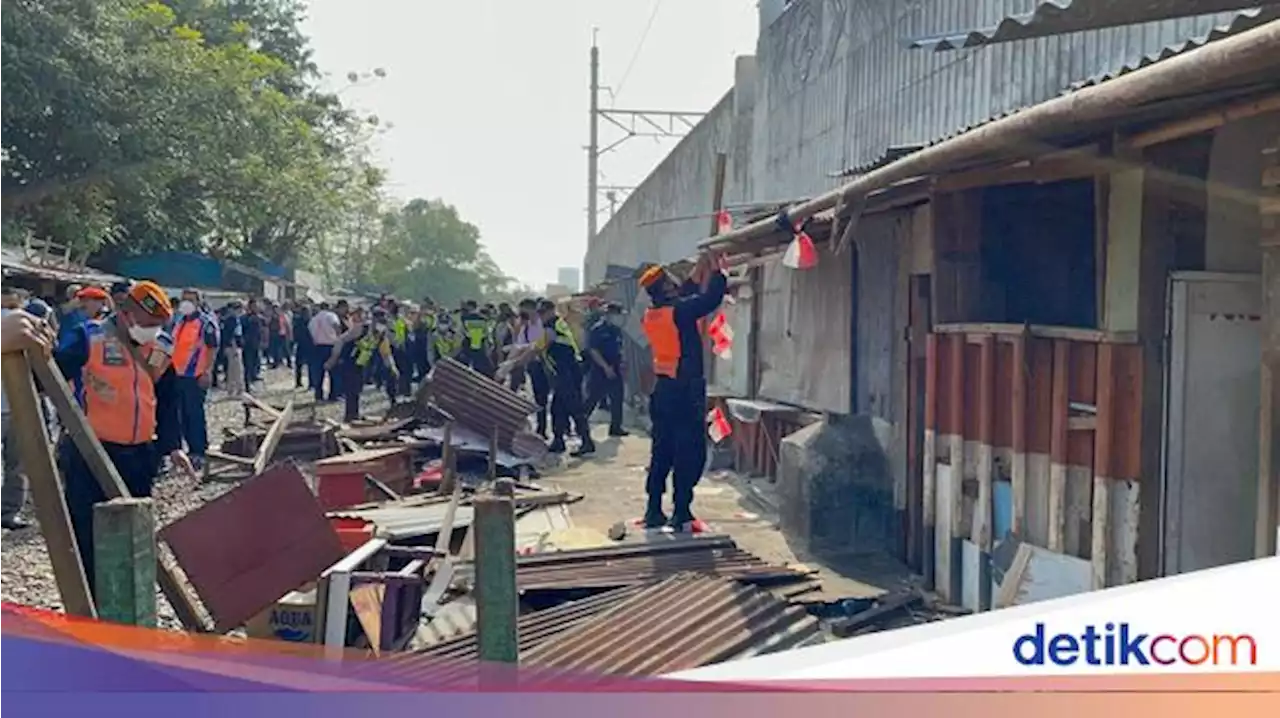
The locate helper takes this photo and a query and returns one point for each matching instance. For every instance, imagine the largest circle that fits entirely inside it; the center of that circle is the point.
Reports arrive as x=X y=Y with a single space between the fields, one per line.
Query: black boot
x=588 y=448
x=557 y=446
x=682 y=519
x=653 y=516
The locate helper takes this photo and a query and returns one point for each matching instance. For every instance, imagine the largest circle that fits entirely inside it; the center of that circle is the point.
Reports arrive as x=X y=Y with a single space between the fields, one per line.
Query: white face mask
x=144 y=335
x=186 y=307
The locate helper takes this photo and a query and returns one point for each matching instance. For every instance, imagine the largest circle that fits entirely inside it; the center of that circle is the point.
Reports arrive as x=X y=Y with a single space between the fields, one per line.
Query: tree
x=425 y=249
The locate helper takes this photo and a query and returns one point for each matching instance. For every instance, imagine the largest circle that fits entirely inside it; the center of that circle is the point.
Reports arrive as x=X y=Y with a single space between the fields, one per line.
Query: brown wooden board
x=254 y=544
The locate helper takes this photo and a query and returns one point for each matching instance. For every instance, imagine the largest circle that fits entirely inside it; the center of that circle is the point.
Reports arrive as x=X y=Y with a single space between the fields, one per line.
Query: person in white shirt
x=325 y=328
x=528 y=338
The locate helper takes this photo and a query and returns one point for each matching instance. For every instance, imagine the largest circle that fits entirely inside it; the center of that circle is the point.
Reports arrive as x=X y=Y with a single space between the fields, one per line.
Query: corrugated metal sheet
x=806 y=328
x=681 y=623
x=15 y=262
x=1058 y=17
x=403 y=522
x=479 y=403
x=629 y=564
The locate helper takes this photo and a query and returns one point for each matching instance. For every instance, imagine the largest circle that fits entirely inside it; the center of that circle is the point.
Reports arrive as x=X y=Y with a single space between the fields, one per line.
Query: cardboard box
x=292 y=618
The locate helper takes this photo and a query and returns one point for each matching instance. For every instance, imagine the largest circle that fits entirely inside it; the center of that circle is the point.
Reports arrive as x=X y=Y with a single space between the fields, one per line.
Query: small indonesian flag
x=801 y=254
x=724 y=222
x=721 y=335
x=718 y=427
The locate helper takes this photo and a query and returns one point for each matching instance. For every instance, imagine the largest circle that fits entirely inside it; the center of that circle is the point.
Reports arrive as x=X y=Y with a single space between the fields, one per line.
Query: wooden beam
x=982 y=514
x=497 y=602
x=929 y=490
x=124 y=545
x=1024 y=172
x=1018 y=425
x=1058 y=447
x=1203 y=122
x=1103 y=467
x=272 y=440
x=28 y=431
x=1038 y=330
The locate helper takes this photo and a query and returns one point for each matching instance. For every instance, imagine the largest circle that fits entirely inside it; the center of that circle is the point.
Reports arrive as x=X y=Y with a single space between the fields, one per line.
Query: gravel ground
x=26 y=576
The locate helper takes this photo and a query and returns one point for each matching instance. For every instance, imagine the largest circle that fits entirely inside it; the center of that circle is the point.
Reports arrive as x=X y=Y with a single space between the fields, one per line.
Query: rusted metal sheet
x=252 y=545
x=479 y=403
x=683 y=622
x=453 y=661
x=1059 y=17
x=633 y=564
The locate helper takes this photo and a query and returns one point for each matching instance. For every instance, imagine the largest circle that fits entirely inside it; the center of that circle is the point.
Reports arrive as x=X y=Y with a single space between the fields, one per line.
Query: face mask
x=143 y=335
x=186 y=307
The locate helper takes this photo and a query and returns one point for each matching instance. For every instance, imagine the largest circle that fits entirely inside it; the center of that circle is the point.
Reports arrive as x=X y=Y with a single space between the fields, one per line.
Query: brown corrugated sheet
x=479 y=403
x=252 y=545
x=637 y=563
x=453 y=661
x=681 y=623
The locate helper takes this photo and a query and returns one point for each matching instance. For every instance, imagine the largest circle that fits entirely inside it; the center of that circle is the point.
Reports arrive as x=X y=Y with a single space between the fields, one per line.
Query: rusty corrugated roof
x=479 y=403
x=682 y=623
x=1058 y=17
x=631 y=564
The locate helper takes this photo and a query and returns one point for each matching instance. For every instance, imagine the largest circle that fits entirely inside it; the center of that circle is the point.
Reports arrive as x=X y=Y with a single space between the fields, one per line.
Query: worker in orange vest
x=678 y=405
x=195 y=347
x=121 y=369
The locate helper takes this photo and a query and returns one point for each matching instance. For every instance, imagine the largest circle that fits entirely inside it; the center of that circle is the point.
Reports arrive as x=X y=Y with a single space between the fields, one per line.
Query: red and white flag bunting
x=801 y=253
x=721 y=335
x=718 y=426
x=724 y=222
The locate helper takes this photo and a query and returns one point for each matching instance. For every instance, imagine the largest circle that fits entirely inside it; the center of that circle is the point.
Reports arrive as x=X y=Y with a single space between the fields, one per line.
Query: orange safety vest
x=664 y=339
x=118 y=396
x=190 y=355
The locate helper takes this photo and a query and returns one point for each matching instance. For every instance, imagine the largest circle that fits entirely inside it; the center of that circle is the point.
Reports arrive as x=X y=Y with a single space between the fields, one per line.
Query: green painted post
x=497 y=604
x=124 y=542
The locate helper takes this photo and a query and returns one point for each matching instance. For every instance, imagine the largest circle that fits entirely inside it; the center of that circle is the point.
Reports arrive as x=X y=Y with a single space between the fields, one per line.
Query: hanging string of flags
x=801 y=253
x=721 y=335
x=724 y=221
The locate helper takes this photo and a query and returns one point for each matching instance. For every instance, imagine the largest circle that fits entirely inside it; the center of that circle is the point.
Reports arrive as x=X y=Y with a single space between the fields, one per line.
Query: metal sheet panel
x=1058 y=17
x=1211 y=445
x=805 y=338
x=252 y=545
x=879 y=325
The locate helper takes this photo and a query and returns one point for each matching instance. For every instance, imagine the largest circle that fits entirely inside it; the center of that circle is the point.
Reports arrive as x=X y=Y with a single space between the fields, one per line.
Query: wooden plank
x=497 y=601
x=1203 y=122
x=28 y=431
x=930 y=459
x=1018 y=422
x=272 y=439
x=957 y=407
x=76 y=425
x=271 y=411
x=124 y=544
x=1058 y=448
x=982 y=515
x=367 y=600
x=229 y=458
x=1036 y=330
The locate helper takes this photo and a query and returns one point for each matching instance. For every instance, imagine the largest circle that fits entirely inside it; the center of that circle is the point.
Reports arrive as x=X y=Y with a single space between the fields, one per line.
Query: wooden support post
x=28 y=430
x=493 y=455
x=929 y=491
x=1058 y=447
x=1018 y=422
x=124 y=546
x=497 y=603
x=1267 y=522
x=956 y=389
x=447 y=477
x=95 y=457
x=1103 y=466
x=272 y=440
x=982 y=514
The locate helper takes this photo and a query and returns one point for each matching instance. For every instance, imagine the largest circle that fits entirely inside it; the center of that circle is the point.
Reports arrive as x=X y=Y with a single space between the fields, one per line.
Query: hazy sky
x=488 y=99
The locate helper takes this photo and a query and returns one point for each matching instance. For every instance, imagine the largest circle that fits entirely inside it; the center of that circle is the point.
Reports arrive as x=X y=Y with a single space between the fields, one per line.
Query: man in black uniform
x=475 y=339
x=563 y=363
x=678 y=405
x=604 y=380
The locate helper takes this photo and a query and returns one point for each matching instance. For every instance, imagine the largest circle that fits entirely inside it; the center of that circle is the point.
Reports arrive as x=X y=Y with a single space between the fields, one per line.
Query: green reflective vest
x=476 y=330
x=400 y=326
x=365 y=347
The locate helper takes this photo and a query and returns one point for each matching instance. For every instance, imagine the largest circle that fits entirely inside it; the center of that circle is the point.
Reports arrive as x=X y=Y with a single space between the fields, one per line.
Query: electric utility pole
x=632 y=123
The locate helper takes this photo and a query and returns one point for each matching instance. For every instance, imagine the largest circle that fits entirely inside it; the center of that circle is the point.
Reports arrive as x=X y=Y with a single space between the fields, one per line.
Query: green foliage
x=189 y=124
x=423 y=248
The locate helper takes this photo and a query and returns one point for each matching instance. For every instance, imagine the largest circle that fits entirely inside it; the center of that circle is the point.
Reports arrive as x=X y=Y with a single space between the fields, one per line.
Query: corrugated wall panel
x=805 y=334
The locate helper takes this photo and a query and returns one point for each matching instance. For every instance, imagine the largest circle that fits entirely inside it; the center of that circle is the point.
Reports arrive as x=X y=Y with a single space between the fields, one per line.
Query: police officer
x=678 y=405
x=400 y=329
x=354 y=353
x=195 y=345
x=528 y=336
x=424 y=331
x=604 y=378
x=563 y=363
x=121 y=369
x=475 y=338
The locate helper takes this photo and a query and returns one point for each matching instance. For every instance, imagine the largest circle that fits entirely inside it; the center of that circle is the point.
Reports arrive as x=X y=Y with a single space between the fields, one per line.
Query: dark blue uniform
x=605 y=339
